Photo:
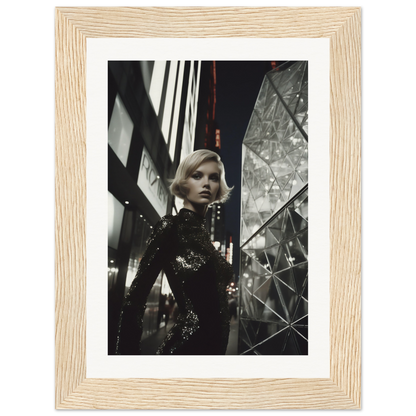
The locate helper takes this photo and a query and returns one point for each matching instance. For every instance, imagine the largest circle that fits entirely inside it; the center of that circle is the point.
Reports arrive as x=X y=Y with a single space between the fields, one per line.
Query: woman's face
x=203 y=184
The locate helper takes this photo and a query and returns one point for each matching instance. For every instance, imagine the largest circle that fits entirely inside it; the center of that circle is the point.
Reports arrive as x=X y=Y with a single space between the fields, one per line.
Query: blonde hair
x=189 y=165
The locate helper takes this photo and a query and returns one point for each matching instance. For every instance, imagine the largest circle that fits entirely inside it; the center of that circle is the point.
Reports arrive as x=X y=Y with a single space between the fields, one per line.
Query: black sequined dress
x=198 y=276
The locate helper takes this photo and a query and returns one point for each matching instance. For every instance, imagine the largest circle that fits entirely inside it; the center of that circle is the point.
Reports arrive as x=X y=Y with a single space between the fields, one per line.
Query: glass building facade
x=274 y=218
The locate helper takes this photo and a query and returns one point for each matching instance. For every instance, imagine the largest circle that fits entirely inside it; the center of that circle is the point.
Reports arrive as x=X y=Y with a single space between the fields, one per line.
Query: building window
x=120 y=131
x=156 y=84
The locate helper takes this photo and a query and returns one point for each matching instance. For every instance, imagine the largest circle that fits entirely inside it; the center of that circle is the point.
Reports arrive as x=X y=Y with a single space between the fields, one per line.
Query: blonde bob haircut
x=189 y=165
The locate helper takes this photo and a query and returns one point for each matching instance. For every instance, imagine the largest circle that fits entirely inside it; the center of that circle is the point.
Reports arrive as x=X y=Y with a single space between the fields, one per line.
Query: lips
x=207 y=193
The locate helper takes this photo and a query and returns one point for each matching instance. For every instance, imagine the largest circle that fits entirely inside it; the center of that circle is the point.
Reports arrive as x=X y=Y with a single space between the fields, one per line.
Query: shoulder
x=162 y=229
x=165 y=222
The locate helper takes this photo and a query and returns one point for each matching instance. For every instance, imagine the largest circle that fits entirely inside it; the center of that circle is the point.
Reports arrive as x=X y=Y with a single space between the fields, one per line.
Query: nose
x=206 y=183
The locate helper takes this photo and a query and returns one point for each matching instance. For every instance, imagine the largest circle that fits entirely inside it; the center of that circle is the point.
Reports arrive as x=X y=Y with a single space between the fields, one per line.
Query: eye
x=215 y=178
x=196 y=176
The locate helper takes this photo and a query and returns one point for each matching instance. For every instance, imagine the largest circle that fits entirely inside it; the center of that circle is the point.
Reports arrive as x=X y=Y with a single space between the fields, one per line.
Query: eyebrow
x=215 y=173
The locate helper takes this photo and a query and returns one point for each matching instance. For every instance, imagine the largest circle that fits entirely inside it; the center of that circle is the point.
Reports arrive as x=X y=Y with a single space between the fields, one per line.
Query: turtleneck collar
x=192 y=216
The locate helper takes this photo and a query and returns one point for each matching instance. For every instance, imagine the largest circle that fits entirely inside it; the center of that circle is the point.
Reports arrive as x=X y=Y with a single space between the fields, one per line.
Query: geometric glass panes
x=275 y=146
x=274 y=284
x=274 y=217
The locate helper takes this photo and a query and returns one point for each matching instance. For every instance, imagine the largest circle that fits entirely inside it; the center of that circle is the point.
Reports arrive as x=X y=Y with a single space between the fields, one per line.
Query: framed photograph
x=139 y=89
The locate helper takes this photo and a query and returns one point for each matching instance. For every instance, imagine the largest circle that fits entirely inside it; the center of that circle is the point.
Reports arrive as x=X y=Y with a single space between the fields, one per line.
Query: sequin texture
x=198 y=276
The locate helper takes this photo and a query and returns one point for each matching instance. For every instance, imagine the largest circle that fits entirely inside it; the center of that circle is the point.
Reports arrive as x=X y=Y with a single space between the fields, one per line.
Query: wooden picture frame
x=342 y=26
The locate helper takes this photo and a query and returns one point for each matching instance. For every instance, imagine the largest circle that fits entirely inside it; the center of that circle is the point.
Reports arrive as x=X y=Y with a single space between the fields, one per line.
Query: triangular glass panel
x=257 y=242
x=266 y=210
x=250 y=206
x=301 y=110
x=264 y=150
x=301 y=115
x=259 y=280
x=276 y=153
x=275 y=76
x=293 y=99
x=248 y=182
x=287 y=131
x=289 y=230
x=294 y=142
x=267 y=330
x=302 y=208
x=296 y=253
x=278 y=225
x=302 y=322
x=271 y=97
x=286 y=276
x=302 y=171
x=247 y=291
x=295 y=154
x=282 y=181
x=259 y=257
x=288 y=297
x=261 y=98
x=289 y=79
x=293 y=82
x=264 y=174
x=244 y=313
x=282 y=261
x=270 y=315
x=259 y=201
x=291 y=347
x=297 y=185
x=303 y=161
x=300 y=200
x=275 y=198
x=243 y=347
x=282 y=169
x=252 y=330
x=245 y=304
x=287 y=191
x=245 y=235
x=301 y=342
x=301 y=309
x=303 y=242
x=258 y=188
x=300 y=274
x=242 y=334
x=272 y=300
x=298 y=222
x=253 y=128
x=271 y=254
x=270 y=239
x=251 y=311
x=305 y=290
x=282 y=125
x=244 y=189
x=305 y=122
x=270 y=109
x=302 y=329
x=258 y=308
x=251 y=145
x=274 y=345
x=262 y=291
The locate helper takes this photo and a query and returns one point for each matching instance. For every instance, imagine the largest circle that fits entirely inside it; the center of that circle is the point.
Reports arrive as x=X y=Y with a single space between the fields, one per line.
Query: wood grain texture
x=202 y=22
x=70 y=213
x=345 y=202
x=343 y=389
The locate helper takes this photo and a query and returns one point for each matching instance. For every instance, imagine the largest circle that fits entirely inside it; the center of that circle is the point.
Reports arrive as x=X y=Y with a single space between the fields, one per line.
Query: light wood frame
x=343 y=27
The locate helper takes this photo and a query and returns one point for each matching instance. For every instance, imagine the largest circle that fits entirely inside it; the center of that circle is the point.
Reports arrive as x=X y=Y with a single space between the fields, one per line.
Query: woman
x=197 y=273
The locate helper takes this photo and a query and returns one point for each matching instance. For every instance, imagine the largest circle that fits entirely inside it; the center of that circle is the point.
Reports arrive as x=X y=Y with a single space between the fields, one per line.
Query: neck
x=199 y=209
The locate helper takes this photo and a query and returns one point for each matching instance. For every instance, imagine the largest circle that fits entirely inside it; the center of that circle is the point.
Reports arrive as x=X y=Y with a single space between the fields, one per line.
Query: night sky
x=238 y=84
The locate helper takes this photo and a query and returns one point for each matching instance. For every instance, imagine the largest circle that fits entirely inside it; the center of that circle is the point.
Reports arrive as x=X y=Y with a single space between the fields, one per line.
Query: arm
x=130 y=325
